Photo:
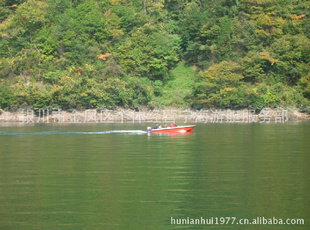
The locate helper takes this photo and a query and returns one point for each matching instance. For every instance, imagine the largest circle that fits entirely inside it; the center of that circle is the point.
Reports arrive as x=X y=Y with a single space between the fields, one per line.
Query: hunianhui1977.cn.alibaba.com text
x=235 y=221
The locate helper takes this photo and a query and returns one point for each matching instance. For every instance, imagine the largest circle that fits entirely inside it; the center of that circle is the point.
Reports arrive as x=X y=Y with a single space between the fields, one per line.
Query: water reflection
x=121 y=181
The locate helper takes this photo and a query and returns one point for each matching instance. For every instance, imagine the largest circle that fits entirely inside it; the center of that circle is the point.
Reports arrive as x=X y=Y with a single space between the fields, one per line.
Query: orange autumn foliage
x=104 y=56
x=267 y=57
x=299 y=17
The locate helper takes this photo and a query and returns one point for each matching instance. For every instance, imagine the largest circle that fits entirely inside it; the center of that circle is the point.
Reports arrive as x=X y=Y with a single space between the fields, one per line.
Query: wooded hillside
x=155 y=53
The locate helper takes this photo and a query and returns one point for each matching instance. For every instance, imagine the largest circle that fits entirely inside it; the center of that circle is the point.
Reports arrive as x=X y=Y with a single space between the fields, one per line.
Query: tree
x=191 y=22
x=219 y=86
x=148 y=53
x=292 y=53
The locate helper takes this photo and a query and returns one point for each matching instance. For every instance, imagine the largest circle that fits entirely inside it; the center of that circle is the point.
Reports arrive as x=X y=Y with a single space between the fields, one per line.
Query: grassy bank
x=179 y=87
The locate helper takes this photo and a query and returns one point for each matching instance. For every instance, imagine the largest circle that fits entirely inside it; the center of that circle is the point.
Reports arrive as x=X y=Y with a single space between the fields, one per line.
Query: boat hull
x=178 y=129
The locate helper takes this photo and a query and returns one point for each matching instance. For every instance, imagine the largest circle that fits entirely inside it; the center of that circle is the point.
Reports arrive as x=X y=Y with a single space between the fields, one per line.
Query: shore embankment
x=266 y=115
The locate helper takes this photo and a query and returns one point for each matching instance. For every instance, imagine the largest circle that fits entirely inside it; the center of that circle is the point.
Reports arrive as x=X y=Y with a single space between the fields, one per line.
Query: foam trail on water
x=71 y=133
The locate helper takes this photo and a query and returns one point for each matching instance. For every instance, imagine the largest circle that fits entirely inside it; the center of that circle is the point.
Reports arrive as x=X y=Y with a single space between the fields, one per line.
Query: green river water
x=81 y=177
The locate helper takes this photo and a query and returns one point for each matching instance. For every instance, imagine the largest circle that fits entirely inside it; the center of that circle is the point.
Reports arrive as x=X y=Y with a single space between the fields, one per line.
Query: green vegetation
x=179 y=88
x=132 y=53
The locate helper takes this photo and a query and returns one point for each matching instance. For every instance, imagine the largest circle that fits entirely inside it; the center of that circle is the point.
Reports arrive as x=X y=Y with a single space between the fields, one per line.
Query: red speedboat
x=177 y=129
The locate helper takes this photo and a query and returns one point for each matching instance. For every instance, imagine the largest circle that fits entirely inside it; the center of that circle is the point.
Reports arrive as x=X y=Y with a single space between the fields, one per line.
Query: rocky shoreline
x=267 y=115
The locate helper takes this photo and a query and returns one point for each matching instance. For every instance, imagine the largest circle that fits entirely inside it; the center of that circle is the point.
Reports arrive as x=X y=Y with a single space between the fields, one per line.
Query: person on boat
x=165 y=125
x=156 y=126
x=160 y=127
x=172 y=125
